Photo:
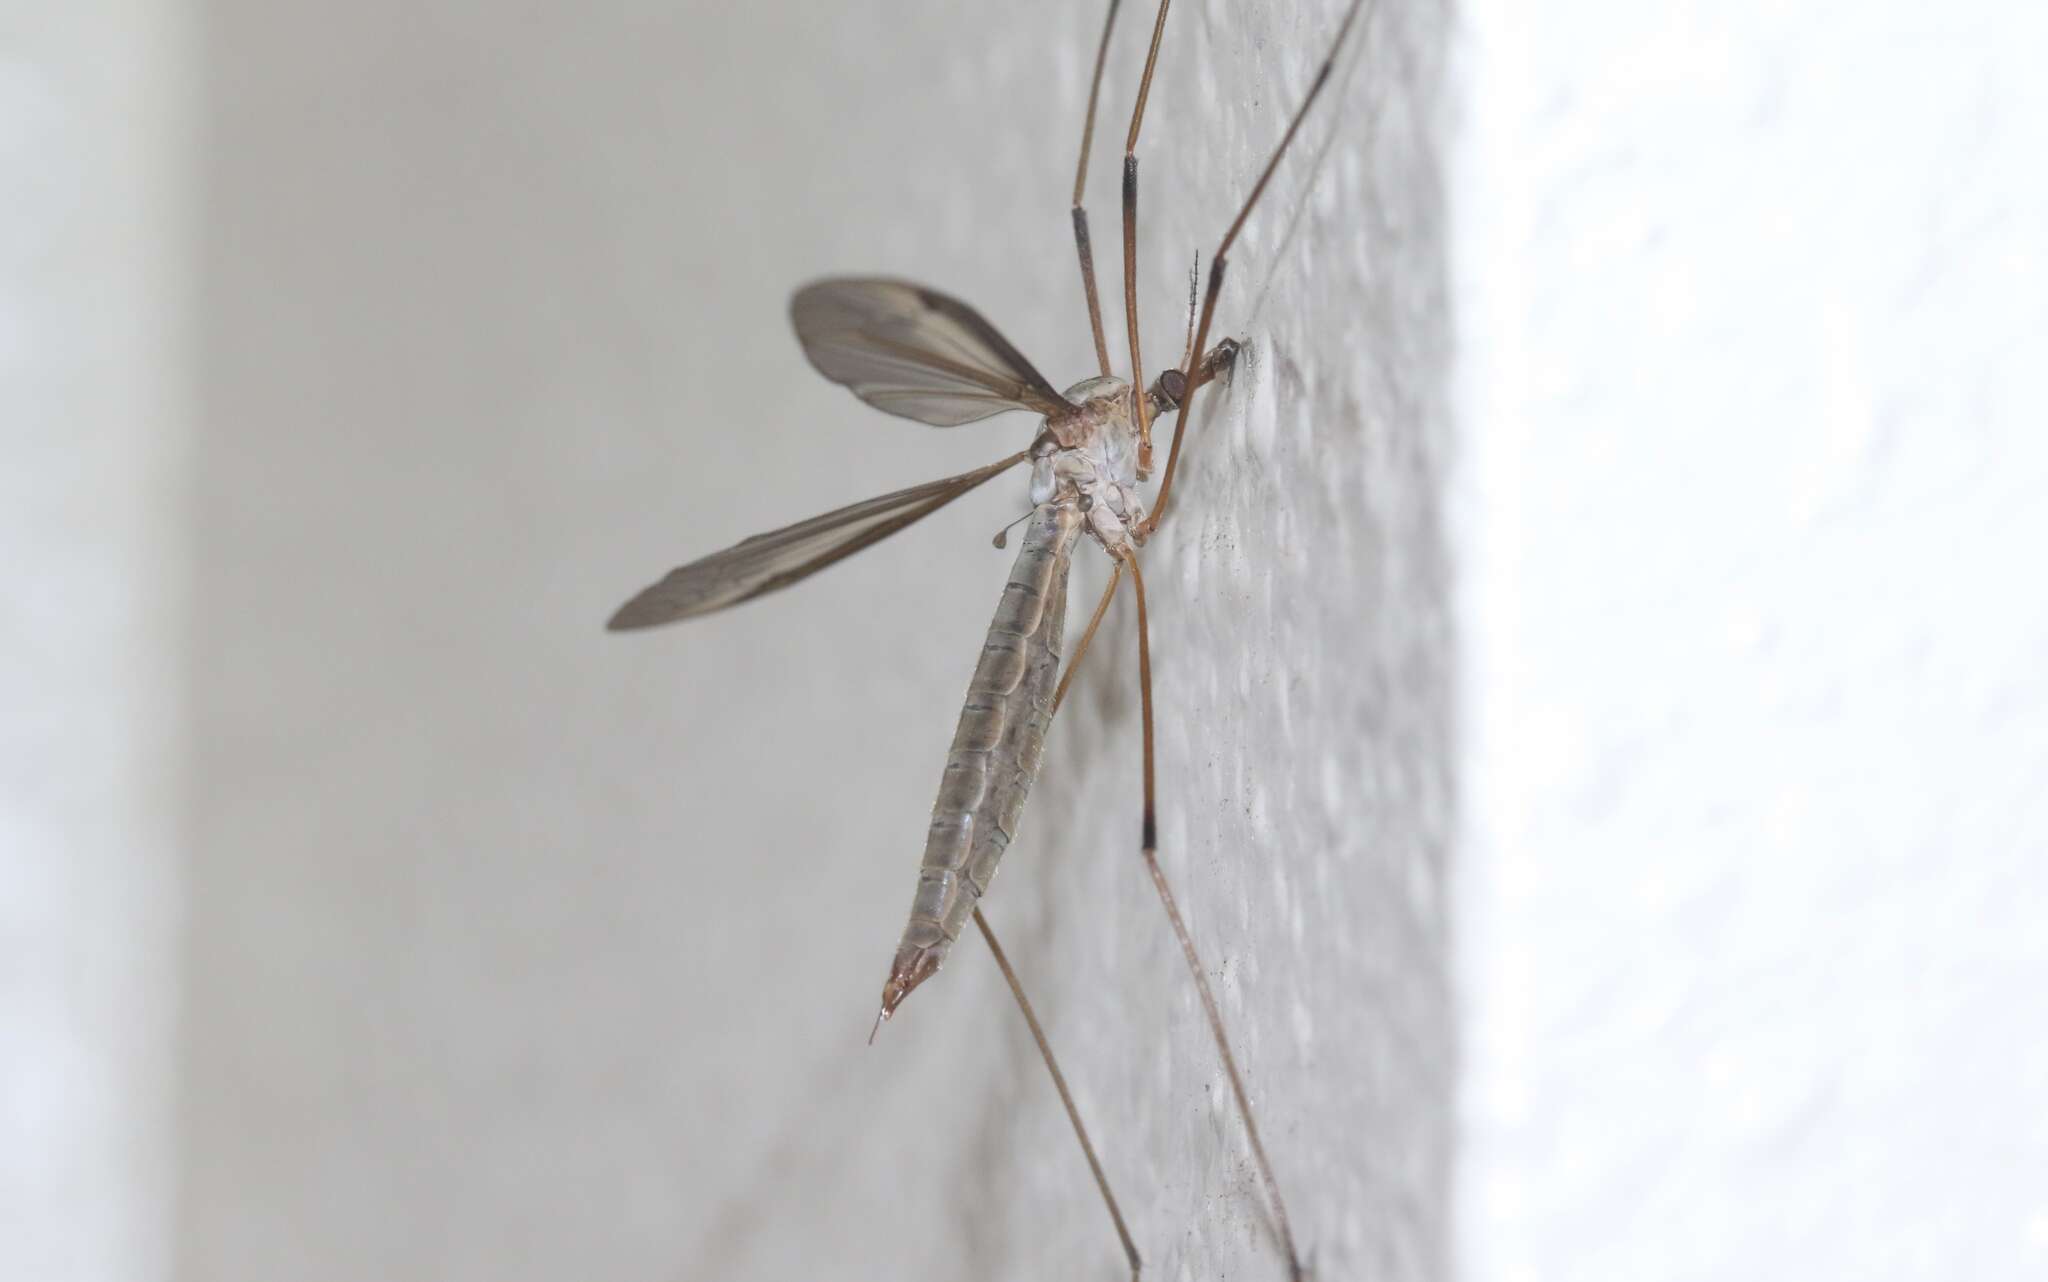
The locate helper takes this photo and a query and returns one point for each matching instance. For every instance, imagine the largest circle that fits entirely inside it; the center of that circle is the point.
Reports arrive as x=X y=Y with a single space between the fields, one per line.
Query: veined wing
x=915 y=352
x=777 y=559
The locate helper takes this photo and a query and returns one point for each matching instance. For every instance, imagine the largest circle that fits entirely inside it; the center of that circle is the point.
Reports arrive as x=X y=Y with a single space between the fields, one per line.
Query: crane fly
x=920 y=354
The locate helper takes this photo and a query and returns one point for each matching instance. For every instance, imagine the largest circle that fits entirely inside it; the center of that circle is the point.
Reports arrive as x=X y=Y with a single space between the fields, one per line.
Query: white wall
x=1753 y=302
x=94 y=184
x=1301 y=608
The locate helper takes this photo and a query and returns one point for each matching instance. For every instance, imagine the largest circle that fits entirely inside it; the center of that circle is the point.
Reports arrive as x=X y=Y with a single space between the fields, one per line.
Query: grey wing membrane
x=915 y=352
x=782 y=557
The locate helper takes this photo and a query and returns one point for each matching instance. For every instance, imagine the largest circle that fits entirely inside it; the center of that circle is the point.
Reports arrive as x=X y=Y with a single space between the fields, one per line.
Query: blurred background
x=1598 y=645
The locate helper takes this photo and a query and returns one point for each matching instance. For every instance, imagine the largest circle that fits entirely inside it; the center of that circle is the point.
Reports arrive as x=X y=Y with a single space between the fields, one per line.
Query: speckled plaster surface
x=522 y=951
x=1299 y=603
x=1753 y=305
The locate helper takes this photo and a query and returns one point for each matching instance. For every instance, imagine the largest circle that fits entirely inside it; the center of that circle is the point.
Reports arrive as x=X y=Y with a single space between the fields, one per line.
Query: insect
x=921 y=354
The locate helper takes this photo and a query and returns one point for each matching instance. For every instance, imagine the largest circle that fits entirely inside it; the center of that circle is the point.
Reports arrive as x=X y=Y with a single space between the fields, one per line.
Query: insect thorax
x=1090 y=458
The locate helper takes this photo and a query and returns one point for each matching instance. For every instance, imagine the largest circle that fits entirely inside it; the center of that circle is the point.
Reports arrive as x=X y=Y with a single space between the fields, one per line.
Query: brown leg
x=1116 y=571
x=1059 y=1082
x=1052 y=1066
x=1217 y=262
x=1150 y=838
x=1143 y=402
x=1081 y=241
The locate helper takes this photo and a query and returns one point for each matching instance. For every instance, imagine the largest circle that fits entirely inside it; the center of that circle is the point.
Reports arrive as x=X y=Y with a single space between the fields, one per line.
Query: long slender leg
x=1059 y=1079
x=1187 y=944
x=1145 y=82
x=1217 y=262
x=1081 y=241
x=1116 y=572
x=1143 y=402
x=1059 y=1082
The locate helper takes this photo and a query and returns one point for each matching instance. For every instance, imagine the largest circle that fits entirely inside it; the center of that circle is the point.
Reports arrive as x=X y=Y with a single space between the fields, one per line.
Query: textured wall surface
x=1303 y=684
x=94 y=172
x=523 y=951
x=515 y=950
x=1756 y=307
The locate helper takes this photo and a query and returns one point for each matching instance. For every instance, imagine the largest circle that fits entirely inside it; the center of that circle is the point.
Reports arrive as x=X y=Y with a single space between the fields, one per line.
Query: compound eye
x=1174 y=385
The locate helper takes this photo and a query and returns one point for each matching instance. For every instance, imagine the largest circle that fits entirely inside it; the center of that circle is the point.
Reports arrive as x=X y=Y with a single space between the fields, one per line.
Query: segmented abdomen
x=996 y=749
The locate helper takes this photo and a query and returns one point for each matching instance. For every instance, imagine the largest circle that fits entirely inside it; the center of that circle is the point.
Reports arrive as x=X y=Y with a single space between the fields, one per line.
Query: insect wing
x=915 y=352
x=779 y=558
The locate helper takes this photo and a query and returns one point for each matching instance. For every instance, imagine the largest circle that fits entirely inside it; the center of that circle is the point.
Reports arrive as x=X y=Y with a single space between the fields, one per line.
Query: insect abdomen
x=996 y=749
